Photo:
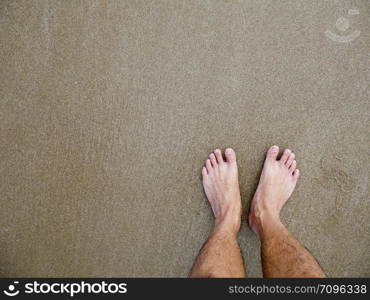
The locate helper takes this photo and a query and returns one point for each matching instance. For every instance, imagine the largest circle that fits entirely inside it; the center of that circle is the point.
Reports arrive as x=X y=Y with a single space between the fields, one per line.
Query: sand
x=109 y=108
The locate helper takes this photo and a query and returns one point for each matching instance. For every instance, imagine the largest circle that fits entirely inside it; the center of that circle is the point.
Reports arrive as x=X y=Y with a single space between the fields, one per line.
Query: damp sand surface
x=109 y=108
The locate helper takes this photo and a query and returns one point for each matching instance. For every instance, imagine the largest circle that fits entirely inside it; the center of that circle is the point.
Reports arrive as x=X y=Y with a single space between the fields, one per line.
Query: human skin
x=281 y=253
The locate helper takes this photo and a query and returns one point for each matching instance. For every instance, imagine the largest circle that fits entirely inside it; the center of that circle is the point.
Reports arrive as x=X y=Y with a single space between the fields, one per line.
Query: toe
x=272 y=152
x=204 y=172
x=218 y=155
x=293 y=166
x=230 y=155
x=208 y=166
x=296 y=174
x=290 y=159
x=285 y=156
x=212 y=157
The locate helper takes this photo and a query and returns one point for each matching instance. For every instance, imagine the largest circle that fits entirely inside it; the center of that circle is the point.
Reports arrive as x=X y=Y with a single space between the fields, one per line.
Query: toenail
x=229 y=151
x=274 y=148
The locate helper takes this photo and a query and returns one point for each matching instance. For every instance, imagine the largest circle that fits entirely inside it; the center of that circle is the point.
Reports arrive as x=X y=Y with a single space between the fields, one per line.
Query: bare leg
x=220 y=255
x=281 y=253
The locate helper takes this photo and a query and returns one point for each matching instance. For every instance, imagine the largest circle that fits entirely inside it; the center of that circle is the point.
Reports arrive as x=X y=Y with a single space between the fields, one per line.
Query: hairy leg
x=220 y=255
x=281 y=253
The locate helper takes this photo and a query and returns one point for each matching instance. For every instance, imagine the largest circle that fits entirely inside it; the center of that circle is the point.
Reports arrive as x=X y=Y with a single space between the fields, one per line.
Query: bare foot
x=277 y=182
x=221 y=185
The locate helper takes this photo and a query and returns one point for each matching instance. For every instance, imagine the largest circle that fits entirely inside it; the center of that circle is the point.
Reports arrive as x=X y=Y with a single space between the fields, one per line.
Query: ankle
x=230 y=222
x=264 y=208
x=266 y=219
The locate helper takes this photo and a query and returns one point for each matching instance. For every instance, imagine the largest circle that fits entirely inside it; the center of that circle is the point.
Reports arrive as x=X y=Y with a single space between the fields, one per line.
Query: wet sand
x=109 y=109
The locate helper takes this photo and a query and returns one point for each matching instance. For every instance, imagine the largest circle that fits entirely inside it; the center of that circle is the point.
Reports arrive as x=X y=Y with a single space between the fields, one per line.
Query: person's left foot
x=221 y=185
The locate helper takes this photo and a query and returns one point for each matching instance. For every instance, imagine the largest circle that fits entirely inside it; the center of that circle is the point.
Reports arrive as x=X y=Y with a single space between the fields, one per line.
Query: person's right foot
x=277 y=182
x=221 y=185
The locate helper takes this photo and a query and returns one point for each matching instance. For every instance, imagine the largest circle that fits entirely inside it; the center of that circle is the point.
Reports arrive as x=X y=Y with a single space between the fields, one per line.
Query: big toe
x=230 y=155
x=272 y=153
